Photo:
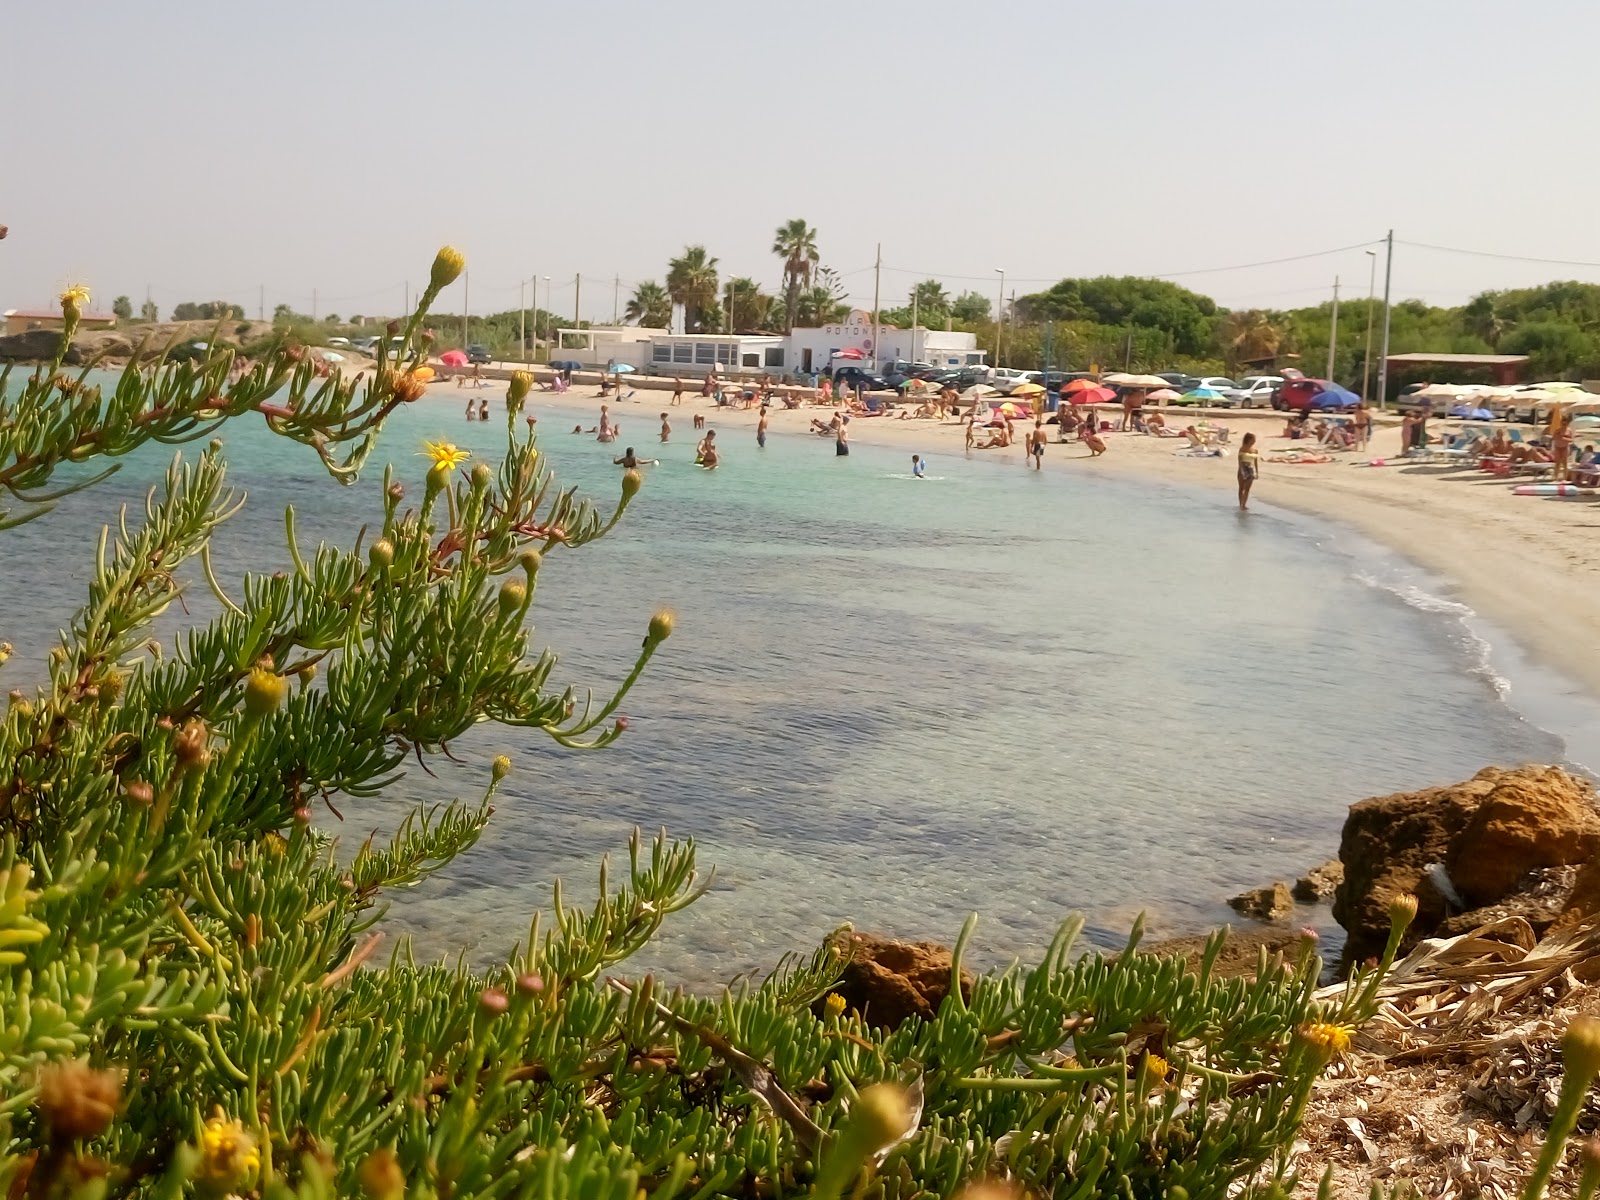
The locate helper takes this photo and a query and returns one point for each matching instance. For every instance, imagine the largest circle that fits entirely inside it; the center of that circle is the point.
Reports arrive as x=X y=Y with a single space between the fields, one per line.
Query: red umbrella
x=852 y=353
x=454 y=358
x=1080 y=385
x=1093 y=395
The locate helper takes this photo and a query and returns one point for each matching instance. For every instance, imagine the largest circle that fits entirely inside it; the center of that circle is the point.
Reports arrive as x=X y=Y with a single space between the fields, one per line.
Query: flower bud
x=193 y=745
x=499 y=768
x=216 y=445
x=229 y=1157
x=380 y=555
x=78 y=1101
x=530 y=984
x=306 y=674
x=408 y=388
x=447 y=267
x=530 y=561
x=139 y=792
x=73 y=301
x=883 y=1113
x=834 y=1004
x=661 y=625
x=493 y=1002
x=397 y=492
x=513 y=594
x=380 y=1176
x=521 y=385
x=302 y=815
x=264 y=690
x=622 y=724
x=1580 y=1048
x=392 y=328
x=1402 y=910
x=482 y=476
x=1154 y=1069
x=632 y=481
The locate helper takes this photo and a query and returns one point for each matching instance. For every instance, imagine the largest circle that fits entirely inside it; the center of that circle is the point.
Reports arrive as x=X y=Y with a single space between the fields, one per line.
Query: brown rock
x=36 y=345
x=1538 y=898
x=1240 y=955
x=1539 y=817
x=888 y=982
x=1389 y=841
x=1583 y=900
x=1319 y=883
x=1265 y=904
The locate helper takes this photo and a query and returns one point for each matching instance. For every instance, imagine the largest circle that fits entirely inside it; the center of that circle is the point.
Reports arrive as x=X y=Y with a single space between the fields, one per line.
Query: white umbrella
x=980 y=389
x=1117 y=379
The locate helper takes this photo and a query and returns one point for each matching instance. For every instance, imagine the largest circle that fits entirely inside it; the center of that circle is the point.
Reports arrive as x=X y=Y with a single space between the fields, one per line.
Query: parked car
x=338 y=343
x=366 y=345
x=961 y=378
x=1004 y=379
x=477 y=353
x=1006 y=387
x=860 y=379
x=1178 y=381
x=1257 y=391
x=1316 y=395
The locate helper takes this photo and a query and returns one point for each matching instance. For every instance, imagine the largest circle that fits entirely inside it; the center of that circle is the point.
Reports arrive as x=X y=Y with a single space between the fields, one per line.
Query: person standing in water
x=630 y=460
x=761 y=429
x=705 y=454
x=666 y=429
x=483 y=409
x=841 y=436
x=1249 y=468
x=917 y=467
x=470 y=405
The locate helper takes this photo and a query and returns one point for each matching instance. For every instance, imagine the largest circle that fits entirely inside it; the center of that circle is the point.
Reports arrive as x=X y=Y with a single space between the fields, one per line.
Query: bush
x=191 y=990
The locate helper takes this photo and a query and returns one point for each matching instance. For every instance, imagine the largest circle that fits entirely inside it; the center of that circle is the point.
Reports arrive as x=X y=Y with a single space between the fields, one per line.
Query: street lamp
x=999 y=314
x=1372 y=295
x=549 y=298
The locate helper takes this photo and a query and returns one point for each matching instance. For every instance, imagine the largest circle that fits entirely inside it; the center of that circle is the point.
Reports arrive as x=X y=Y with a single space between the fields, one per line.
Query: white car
x=1255 y=391
x=339 y=343
x=1004 y=379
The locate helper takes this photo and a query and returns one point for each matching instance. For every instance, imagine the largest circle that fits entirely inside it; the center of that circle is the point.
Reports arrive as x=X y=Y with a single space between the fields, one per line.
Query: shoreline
x=1530 y=567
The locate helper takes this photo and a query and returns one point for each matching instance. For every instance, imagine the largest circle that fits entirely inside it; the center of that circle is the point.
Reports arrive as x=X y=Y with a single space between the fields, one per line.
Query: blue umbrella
x=620 y=368
x=1204 y=395
x=1332 y=396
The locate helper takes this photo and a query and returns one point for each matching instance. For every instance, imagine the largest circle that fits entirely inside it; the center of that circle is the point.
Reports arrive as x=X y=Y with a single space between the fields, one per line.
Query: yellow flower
x=75 y=299
x=445 y=455
x=229 y=1158
x=834 y=1004
x=447 y=267
x=1330 y=1039
x=1155 y=1068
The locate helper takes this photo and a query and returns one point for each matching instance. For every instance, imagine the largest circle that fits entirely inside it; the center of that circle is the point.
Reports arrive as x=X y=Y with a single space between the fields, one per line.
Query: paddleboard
x=1566 y=491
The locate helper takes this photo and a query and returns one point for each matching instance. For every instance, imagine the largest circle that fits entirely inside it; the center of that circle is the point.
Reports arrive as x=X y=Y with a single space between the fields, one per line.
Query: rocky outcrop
x=1481 y=838
x=33 y=346
x=888 y=981
x=1271 y=903
x=1319 y=883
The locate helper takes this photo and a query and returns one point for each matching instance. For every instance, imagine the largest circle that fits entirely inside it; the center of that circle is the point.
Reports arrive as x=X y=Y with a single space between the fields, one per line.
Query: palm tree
x=692 y=282
x=824 y=302
x=1251 y=336
x=1482 y=319
x=750 y=308
x=930 y=300
x=795 y=243
x=650 y=305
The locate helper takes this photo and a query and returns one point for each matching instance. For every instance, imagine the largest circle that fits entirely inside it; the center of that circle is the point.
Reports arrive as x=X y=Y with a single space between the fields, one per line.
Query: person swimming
x=630 y=460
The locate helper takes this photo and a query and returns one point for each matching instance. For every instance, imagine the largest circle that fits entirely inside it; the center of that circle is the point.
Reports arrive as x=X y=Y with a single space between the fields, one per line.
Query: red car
x=1304 y=395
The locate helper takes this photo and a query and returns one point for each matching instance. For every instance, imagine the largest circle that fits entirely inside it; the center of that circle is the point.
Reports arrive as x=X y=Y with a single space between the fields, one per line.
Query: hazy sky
x=205 y=150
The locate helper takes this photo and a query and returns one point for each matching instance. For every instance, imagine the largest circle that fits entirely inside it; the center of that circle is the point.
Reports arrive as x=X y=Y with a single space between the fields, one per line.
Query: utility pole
x=915 y=357
x=616 y=297
x=877 y=275
x=999 y=309
x=313 y=304
x=577 y=294
x=1372 y=297
x=261 y=302
x=549 y=299
x=1383 y=357
x=1333 y=329
x=522 y=318
x=466 y=295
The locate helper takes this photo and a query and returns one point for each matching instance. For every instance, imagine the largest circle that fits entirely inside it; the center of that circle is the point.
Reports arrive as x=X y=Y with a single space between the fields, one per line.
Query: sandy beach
x=1526 y=564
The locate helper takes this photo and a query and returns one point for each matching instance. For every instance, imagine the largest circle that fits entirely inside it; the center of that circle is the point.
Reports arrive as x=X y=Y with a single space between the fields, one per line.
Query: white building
x=602 y=345
x=724 y=353
x=818 y=349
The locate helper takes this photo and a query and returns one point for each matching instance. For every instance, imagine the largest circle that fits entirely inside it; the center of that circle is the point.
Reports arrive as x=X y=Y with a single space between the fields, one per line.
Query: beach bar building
x=21 y=320
x=723 y=353
x=816 y=349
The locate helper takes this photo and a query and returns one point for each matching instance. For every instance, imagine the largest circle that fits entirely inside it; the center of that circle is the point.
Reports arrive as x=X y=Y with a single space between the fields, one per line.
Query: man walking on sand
x=677 y=393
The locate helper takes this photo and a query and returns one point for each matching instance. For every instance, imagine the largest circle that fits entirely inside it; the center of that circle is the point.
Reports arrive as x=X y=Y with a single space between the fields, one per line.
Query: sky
x=295 y=150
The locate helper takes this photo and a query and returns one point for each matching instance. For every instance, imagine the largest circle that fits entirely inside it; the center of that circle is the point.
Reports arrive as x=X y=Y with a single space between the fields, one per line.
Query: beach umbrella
x=454 y=358
x=621 y=368
x=1080 y=385
x=1135 y=381
x=1203 y=395
x=423 y=374
x=1028 y=389
x=1094 y=395
x=1011 y=408
x=979 y=390
x=1332 y=396
x=851 y=353
x=1162 y=395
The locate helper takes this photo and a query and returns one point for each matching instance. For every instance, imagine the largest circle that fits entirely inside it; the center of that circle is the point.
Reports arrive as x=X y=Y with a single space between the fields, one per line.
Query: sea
x=894 y=702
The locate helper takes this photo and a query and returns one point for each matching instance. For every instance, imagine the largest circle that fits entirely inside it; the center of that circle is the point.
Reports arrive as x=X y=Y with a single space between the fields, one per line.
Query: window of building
x=705 y=352
x=725 y=354
x=752 y=360
x=682 y=352
x=661 y=352
x=774 y=357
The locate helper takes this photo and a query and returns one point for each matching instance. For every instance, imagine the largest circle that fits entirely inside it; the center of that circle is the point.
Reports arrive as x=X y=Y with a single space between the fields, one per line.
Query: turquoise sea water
x=894 y=702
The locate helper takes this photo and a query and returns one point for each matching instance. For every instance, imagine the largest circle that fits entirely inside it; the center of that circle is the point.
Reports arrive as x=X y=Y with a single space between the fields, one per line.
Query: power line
x=1266 y=262
x=1553 y=262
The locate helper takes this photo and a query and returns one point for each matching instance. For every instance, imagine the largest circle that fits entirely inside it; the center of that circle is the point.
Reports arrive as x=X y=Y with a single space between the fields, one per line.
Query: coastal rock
x=1389 y=842
x=888 y=982
x=31 y=346
x=1537 y=818
x=1539 y=898
x=1240 y=954
x=1271 y=903
x=1319 y=883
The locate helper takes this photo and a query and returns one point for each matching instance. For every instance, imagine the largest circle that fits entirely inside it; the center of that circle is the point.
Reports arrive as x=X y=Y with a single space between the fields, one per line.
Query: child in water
x=666 y=429
x=916 y=467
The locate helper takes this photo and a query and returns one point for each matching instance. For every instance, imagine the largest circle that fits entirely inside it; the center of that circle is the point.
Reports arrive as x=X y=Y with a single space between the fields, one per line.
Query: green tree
x=122 y=308
x=824 y=302
x=692 y=282
x=1555 y=349
x=1251 y=337
x=750 y=309
x=148 y=311
x=970 y=306
x=930 y=302
x=1482 y=319
x=208 y=310
x=796 y=244
x=650 y=305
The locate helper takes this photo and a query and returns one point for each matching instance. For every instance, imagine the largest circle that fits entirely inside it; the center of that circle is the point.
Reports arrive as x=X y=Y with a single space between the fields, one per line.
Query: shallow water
x=893 y=702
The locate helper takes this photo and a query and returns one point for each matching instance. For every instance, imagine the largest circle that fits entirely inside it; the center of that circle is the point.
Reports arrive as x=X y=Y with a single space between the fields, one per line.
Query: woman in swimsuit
x=705 y=454
x=841 y=444
x=1249 y=468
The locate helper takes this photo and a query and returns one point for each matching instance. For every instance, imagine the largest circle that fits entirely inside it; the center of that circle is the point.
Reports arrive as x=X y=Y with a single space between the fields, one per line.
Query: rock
x=1319 y=883
x=1271 y=903
x=888 y=982
x=1538 y=898
x=1240 y=955
x=36 y=345
x=1539 y=817
x=1583 y=898
x=1389 y=841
